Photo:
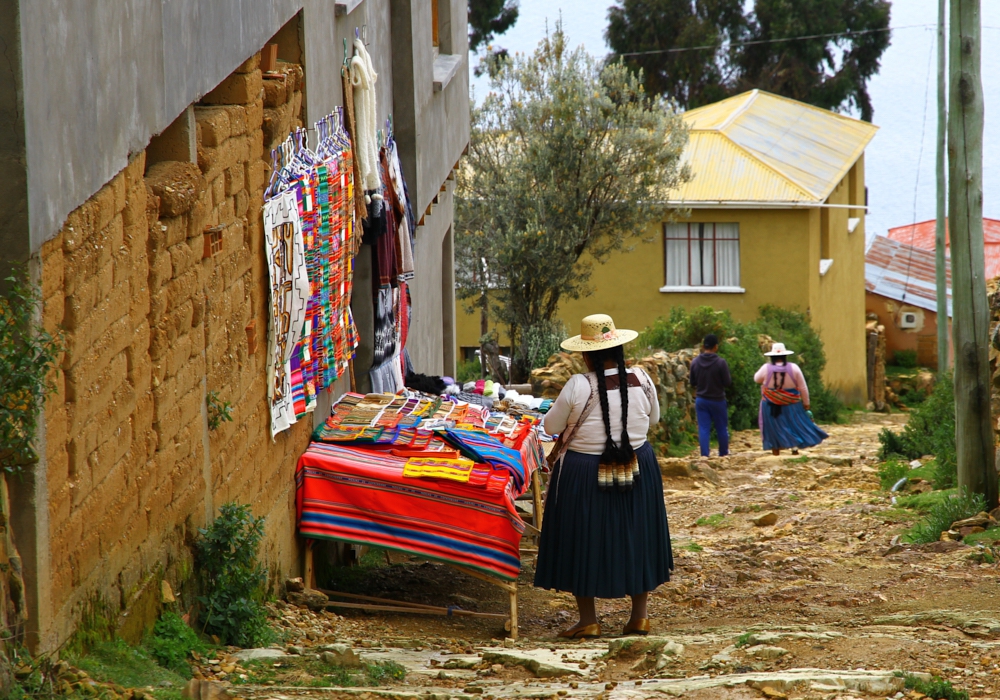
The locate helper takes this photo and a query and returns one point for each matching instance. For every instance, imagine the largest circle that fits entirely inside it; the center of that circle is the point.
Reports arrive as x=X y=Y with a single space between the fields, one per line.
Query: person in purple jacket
x=710 y=377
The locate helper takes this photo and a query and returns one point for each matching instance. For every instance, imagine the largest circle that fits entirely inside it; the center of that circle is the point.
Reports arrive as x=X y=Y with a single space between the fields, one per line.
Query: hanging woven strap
x=562 y=444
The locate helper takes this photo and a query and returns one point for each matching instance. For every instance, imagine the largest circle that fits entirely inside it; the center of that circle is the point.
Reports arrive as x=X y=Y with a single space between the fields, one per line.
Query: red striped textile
x=360 y=495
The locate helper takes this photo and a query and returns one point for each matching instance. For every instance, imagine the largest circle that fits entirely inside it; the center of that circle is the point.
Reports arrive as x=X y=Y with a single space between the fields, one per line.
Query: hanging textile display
x=363 y=78
x=318 y=188
x=289 y=293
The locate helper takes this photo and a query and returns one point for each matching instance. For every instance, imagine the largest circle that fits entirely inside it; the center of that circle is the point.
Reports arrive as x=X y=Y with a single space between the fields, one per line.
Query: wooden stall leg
x=309 y=576
x=513 y=613
x=536 y=487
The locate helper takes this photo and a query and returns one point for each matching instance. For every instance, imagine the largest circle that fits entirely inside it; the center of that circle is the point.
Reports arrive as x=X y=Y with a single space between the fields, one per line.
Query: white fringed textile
x=363 y=78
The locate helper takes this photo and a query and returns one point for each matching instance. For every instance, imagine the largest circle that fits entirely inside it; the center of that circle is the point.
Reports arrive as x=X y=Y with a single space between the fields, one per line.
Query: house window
x=702 y=257
x=435 y=26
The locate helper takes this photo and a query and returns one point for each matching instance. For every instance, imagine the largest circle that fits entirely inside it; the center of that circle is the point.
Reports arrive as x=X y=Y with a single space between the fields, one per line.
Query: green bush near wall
x=739 y=345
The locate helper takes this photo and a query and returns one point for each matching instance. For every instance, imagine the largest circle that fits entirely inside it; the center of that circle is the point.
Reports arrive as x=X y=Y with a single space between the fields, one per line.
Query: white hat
x=598 y=332
x=778 y=349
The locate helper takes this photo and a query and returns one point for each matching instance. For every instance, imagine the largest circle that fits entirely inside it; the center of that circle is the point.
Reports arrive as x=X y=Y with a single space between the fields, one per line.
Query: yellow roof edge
x=795 y=186
x=800 y=103
x=855 y=155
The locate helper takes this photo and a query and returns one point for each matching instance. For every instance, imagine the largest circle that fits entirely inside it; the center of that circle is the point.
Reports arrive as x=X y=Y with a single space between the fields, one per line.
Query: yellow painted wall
x=779 y=264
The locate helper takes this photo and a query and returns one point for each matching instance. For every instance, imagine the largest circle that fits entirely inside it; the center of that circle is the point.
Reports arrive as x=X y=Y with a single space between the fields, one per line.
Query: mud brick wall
x=153 y=320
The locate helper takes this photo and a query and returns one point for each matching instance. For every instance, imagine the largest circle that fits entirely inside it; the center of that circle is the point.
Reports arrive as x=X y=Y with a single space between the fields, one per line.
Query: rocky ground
x=787 y=585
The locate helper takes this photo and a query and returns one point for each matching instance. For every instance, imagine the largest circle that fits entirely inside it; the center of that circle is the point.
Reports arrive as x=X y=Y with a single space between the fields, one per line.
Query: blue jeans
x=712 y=413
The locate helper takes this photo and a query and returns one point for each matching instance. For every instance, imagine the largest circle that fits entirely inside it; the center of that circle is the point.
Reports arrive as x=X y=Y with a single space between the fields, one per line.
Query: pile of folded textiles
x=440 y=437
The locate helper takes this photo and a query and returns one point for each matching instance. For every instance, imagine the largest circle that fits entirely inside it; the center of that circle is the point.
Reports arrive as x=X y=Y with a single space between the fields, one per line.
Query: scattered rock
x=295 y=585
x=166 y=592
x=340 y=655
x=765 y=653
x=765 y=520
x=630 y=647
x=982 y=520
x=541 y=669
x=671 y=468
x=251 y=654
x=312 y=599
x=461 y=663
x=970 y=623
x=295 y=650
x=204 y=690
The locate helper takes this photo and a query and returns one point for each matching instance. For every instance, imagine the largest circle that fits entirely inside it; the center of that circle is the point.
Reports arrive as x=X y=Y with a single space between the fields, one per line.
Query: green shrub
x=905 y=358
x=890 y=472
x=943 y=513
x=936 y=688
x=541 y=342
x=930 y=431
x=468 y=371
x=233 y=580
x=172 y=642
x=739 y=346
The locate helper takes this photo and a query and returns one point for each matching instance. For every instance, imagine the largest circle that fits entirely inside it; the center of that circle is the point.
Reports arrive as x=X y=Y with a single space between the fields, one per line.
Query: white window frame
x=702 y=288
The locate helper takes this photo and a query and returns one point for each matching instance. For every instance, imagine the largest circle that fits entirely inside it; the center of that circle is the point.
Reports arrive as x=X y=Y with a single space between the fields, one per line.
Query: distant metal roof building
x=759 y=148
x=922 y=236
x=903 y=273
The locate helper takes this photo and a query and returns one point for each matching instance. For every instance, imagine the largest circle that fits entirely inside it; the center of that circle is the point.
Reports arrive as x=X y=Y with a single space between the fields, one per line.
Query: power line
x=756 y=42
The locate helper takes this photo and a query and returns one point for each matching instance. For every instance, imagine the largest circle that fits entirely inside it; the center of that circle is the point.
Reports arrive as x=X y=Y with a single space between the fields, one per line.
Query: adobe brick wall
x=151 y=326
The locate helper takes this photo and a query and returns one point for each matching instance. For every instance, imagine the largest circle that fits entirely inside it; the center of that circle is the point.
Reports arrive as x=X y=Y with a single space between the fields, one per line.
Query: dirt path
x=750 y=606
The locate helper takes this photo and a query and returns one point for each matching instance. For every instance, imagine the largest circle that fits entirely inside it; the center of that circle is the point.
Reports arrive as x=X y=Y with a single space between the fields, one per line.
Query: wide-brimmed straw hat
x=598 y=332
x=778 y=349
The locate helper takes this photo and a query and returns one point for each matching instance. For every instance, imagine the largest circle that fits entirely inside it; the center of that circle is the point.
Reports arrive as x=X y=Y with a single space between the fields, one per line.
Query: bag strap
x=562 y=444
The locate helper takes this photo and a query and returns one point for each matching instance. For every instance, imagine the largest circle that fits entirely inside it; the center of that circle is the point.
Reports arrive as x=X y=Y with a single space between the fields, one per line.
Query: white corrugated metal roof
x=903 y=273
x=759 y=147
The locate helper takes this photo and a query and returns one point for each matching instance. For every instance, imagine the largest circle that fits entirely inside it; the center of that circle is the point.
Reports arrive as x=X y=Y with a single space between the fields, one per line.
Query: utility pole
x=971 y=320
x=942 y=191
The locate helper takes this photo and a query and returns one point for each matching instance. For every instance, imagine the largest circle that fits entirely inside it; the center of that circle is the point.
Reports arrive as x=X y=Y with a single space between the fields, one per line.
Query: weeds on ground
x=172 y=643
x=930 y=431
x=692 y=547
x=936 y=688
x=130 y=667
x=714 y=520
x=942 y=514
x=890 y=472
x=233 y=579
x=743 y=640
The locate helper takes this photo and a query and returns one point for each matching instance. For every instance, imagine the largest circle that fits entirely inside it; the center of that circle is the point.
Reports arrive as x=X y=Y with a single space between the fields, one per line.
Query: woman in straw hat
x=605 y=532
x=785 y=419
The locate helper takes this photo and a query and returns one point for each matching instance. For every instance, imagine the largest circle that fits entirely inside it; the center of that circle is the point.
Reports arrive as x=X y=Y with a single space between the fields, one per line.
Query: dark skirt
x=791 y=428
x=604 y=544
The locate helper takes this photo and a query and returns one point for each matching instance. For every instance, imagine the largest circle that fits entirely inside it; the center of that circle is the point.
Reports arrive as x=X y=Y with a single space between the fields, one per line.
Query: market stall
x=429 y=476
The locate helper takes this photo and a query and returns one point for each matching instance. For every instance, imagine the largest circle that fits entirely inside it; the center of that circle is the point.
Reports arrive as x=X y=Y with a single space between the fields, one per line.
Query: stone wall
x=668 y=370
x=159 y=286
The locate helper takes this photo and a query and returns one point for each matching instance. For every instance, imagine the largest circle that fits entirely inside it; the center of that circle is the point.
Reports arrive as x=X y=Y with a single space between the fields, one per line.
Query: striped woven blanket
x=360 y=495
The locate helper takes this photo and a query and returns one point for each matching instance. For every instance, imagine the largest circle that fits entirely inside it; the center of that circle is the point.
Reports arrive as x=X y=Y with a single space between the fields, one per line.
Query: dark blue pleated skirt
x=791 y=428
x=604 y=544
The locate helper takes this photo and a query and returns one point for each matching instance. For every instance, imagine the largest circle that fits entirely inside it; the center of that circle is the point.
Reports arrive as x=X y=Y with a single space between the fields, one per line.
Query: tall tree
x=971 y=320
x=568 y=160
x=487 y=18
x=697 y=52
x=691 y=78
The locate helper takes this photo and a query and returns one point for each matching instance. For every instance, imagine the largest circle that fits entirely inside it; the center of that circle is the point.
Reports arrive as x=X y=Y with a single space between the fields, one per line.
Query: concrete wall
x=779 y=265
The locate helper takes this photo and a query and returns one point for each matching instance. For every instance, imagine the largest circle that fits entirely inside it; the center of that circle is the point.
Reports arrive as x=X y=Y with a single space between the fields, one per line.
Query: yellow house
x=777 y=210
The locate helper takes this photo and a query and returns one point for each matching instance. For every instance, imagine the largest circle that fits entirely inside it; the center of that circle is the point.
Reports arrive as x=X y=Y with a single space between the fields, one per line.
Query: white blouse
x=590 y=437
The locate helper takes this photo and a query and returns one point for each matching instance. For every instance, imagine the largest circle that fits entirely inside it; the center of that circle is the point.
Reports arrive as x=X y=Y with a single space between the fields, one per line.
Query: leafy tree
x=487 y=18
x=27 y=354
x=568 y=160
x=691 y=78
x=749 y=50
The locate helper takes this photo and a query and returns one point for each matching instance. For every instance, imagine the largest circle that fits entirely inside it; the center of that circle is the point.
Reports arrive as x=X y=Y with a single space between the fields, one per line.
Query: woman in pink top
x=785 y=420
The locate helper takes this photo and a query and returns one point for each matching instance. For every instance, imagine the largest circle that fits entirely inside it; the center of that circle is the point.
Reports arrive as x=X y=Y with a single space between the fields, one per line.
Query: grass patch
x=131 y=667
x=797 y=460
x=929 y=431
x=942 y=514
x=891 y=472
x=987 y=538
x=936 y=688
x=692 y=547
x=314 y=673
x=924 y=502
x=714 y=520
x=172 y=643
x=743 y=640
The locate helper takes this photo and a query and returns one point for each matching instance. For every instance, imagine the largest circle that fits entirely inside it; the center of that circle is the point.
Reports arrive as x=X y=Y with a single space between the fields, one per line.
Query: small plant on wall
x=219 y=411
x=27 y=353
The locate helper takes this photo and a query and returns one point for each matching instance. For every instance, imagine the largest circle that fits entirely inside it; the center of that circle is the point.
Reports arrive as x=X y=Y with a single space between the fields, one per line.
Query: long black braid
x=621 y=452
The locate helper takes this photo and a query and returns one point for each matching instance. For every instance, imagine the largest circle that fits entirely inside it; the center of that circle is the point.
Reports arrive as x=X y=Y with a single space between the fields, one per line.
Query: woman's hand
x=807 y=407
